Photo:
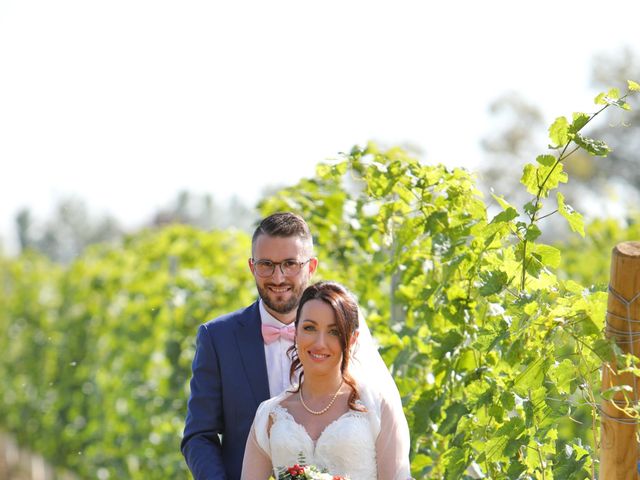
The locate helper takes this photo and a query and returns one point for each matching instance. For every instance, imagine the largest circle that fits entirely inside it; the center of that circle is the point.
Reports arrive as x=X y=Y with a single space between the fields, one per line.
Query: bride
x=345 y=414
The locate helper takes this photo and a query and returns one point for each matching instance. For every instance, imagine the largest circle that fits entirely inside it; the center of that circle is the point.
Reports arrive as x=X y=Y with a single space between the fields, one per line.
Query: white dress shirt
x=278 y=363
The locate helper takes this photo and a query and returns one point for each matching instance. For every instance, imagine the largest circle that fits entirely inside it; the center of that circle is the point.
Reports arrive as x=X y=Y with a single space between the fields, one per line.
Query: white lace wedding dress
x=351 y=446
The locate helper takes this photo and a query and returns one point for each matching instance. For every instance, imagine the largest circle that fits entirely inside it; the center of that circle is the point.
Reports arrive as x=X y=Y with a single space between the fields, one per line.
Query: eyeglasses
x=266 y=268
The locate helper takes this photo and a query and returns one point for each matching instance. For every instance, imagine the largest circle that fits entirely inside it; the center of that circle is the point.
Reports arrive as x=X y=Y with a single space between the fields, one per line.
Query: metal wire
x=632 y=320
x=624 y=421
x=623 y=337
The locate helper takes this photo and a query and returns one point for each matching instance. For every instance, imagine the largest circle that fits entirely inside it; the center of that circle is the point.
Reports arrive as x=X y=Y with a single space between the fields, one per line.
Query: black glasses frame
x=265 y=263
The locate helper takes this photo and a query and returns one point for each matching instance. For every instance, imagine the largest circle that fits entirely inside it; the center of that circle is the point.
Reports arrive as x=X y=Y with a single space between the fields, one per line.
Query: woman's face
x=318 y=339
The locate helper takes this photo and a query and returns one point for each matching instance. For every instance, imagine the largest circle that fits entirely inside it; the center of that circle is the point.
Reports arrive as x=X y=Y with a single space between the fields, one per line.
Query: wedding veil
x=372 y=376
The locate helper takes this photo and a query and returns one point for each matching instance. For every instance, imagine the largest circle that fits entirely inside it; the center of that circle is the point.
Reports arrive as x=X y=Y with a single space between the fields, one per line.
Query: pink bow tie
x=271 y=333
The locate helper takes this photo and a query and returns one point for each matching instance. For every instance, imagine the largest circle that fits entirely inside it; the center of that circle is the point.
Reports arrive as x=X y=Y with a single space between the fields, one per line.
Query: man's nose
x=278 y=276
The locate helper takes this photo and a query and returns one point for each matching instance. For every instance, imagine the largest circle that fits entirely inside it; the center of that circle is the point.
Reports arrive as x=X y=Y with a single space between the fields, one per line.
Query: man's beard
x=281 y=307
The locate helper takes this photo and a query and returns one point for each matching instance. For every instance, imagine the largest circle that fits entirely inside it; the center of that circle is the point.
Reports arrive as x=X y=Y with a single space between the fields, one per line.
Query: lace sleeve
x=256 y=464
x=392 y=443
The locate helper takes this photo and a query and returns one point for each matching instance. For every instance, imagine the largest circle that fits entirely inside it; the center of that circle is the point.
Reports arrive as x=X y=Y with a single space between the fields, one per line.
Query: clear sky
x=125 y=102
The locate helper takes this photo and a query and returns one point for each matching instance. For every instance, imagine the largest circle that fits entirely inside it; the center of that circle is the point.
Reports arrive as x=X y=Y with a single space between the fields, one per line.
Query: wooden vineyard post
x=618 y=442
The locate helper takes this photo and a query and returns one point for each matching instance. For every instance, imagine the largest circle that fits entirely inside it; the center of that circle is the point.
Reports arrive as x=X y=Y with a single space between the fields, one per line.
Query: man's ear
x=250 y=265
x=313 y=265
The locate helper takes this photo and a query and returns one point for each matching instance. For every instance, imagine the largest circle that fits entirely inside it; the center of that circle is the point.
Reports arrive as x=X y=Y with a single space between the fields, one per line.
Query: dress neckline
x=291 y=418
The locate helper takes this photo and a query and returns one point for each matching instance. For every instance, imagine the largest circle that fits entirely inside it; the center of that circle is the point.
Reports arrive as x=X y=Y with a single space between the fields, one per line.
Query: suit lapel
x=251 y=347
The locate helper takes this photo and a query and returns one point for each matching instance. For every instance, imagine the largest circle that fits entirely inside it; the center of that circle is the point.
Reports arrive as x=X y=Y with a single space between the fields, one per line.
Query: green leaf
x=571 y=465
x=546 y=160
x=549 y=256
x=452 y=417
x=531 y=377
x=356 y=152
x=595 y=147
x=612 y=97
x=633 y=86
x=323 y=170
x=562 y=375
x=534 y=265
x=604 y=349
x=420 y=462
x=504 y=438
x=559 y=132
x=531 y=308
x=575 y=220
x=492 y=282
x=530 y=179
x=532 y=207
x=507 y=400
x=516 y=469
x=505 y=216
x=573 y=286
x=597 y=309
x=501 y=201
x=532 y=460
x=579 y=121
x=601 y=99
x=532 y=232
x=457 y=463
x=623 y=105
x=543 y=178
x=613 y=93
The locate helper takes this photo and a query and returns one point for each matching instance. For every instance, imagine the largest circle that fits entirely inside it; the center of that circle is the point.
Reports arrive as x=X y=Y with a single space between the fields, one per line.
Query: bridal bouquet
x=306 y=472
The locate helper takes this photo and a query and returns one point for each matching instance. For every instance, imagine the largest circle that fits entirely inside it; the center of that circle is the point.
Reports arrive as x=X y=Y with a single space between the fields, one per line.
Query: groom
x=240 y=357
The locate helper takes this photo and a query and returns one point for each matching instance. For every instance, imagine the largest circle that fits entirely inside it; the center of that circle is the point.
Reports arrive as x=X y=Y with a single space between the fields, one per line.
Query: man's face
x=281 y=293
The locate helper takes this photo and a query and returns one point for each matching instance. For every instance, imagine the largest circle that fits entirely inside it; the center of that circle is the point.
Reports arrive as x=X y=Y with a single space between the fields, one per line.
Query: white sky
x=125 y=102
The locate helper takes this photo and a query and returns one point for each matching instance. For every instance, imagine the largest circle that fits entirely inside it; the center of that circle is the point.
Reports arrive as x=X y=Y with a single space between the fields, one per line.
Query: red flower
x=296 y=471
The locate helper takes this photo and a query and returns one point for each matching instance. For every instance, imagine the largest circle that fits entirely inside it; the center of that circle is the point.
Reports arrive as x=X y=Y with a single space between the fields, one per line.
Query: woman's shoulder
x=268 y=405
x=370 y=396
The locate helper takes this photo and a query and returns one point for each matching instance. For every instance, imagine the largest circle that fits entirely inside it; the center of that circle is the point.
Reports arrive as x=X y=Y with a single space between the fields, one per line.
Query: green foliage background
x=96 y=357
x=495 y=349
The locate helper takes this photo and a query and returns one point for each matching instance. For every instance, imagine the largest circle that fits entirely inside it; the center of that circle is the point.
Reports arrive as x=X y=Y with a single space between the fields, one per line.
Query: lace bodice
x=345 y=447
x=371 y=445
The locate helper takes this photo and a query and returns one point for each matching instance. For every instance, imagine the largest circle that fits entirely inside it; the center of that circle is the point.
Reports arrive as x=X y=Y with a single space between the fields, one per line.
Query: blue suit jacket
x=229 y=381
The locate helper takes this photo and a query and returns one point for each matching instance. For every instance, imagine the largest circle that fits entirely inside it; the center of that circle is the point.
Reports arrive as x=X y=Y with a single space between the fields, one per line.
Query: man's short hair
x=284 y=224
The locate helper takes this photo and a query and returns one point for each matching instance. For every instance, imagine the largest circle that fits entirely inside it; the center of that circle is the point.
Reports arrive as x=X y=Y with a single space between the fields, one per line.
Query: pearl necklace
x=319 y=412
